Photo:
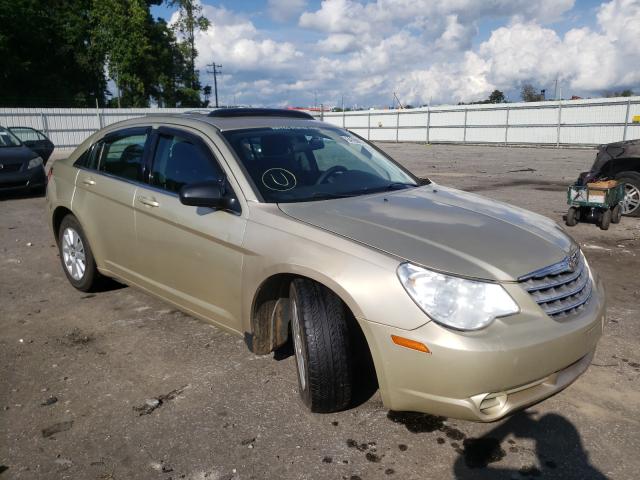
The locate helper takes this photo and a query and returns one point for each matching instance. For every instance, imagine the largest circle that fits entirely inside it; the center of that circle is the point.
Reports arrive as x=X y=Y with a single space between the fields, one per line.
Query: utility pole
x=395 y=97
x=215 y=70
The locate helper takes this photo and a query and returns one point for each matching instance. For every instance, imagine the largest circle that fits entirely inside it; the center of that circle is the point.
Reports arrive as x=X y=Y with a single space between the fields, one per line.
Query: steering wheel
x=330 y=173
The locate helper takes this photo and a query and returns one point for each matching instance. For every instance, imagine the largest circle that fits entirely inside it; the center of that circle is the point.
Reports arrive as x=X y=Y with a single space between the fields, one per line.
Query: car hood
x=16 y=154
x=444 y=229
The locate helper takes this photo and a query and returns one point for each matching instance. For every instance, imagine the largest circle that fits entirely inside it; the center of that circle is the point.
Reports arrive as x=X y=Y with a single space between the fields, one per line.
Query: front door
x=191 y=255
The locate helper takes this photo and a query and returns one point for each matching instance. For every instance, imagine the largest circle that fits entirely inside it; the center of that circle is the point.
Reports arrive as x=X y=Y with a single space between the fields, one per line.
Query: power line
x=215 y=70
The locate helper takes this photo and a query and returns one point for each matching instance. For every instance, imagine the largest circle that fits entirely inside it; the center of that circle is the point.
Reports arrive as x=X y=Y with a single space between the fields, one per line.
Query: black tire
x=633 y=179
x=326 y=379
x=572 y=217
x=616 y=214
x=90 y=276
x=605 y=220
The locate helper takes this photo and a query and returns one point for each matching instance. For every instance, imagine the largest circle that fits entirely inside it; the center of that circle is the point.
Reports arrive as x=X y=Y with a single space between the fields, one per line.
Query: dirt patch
x=76 y=337
x=57 y=428
x=152 y=404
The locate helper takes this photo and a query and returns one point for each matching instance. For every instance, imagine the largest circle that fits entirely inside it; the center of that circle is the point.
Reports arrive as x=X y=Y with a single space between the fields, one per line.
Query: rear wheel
x=631 y=202
x=321 y=343
x=76 y=256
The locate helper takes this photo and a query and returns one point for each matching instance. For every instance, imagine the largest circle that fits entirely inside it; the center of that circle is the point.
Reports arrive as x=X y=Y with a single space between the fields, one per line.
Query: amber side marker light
x=408 y=343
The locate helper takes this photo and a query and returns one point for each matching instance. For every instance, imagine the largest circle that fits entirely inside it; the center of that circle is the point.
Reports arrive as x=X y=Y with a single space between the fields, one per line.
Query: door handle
x=88 y=181
x=149 y=202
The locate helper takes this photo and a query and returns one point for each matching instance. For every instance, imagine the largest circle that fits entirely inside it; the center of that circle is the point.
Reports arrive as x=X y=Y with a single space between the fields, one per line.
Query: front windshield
x=8 y=139
x=300 y=164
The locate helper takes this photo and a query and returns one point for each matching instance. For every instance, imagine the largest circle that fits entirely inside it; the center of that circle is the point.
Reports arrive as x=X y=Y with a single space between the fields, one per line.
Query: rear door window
x=180 y=160
x=121 y=154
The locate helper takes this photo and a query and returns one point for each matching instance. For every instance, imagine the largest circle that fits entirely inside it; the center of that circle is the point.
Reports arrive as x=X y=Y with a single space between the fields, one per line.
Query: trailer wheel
x=616 y=214
x=605 y=219
x=572 y=217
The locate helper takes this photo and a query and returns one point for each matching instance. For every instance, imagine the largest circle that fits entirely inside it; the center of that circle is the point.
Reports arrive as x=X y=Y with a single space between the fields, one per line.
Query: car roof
x=237 y=119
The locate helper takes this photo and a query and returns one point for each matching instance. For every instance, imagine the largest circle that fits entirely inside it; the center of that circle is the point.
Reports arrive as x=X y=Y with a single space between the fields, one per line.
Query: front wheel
x=321 y=343
x=572 y=217
x=605 y=219
x=616 y=214
x=76 y=256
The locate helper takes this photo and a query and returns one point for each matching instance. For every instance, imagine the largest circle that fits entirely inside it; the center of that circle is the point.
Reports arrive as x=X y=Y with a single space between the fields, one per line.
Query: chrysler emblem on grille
x=572 y=262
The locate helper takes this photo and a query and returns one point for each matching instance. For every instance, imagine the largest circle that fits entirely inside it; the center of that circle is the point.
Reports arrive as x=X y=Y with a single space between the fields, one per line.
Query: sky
x=308 y=52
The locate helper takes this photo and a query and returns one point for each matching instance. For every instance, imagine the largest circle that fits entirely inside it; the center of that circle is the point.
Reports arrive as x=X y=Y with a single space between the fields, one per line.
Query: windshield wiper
x=400 y=186
x=321 y=195
x=362 y=191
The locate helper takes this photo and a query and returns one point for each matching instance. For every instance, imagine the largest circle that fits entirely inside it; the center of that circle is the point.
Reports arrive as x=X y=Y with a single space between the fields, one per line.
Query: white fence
x=572 y=122
x=566 y=122
x=69 y=127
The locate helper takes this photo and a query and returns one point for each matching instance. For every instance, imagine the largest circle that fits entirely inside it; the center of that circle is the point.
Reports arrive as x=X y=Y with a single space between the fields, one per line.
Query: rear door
x=191 y=255
x=35 y=140
x=106 y=184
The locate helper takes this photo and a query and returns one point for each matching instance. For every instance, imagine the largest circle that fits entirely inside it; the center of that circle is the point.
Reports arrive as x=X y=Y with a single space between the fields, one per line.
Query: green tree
x=190 y=20
x=122 y=32
x=48 y=55
x=530 y=94
x=624 y=93
x=496 y=97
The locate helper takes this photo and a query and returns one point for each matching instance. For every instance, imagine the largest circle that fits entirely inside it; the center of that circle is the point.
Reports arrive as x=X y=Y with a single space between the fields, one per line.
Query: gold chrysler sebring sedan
x=281 y=228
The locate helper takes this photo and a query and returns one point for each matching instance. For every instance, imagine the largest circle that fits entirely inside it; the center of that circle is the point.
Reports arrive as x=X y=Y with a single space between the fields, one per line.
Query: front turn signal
x=408 y=343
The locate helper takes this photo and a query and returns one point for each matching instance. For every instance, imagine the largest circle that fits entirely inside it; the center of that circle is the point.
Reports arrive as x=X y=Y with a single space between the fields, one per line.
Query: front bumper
x=483 y=376
x=23 y=179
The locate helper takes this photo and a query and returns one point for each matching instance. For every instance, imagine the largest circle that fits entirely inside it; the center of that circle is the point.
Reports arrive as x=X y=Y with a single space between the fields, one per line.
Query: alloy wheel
x=631 y=200
x=297 y=344
x=73 y=253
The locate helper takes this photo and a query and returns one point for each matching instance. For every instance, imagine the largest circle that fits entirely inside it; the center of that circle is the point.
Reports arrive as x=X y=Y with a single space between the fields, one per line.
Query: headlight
x=456 y=302
x=35 y=162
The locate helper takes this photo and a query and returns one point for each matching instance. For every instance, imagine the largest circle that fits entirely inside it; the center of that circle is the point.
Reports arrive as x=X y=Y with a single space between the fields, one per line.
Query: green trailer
x=597 y=202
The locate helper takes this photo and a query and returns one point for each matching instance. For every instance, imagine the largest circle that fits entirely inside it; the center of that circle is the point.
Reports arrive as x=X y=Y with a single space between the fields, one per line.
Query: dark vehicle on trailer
x=20 y=167
x=35 y=140
x=619 y=161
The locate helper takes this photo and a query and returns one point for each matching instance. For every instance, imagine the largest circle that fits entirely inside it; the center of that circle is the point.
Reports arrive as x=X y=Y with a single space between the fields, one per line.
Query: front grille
x=10 y=167
x=561 y=289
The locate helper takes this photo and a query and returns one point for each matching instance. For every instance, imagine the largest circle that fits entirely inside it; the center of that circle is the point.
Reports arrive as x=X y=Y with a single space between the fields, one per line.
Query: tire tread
x=325 y=330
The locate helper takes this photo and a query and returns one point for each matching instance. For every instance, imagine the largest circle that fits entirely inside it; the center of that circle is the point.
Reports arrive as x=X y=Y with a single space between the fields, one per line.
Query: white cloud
x=442 y=66
x=285 y=10
x=422 y=49
x=339 y=43
x=352 y=16
x=587 y=60
x=235 y=42
x=456 y=35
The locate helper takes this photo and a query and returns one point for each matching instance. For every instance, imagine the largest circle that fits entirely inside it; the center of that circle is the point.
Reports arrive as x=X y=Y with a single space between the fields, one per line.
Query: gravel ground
x=118 y=385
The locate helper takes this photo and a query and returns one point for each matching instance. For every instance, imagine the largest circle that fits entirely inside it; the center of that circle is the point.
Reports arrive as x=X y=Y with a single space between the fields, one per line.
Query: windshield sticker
x=352 y=140
x=279 y=179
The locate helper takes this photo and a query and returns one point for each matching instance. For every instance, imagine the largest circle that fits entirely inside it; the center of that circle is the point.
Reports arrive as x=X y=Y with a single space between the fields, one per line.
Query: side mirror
x=205 y=194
